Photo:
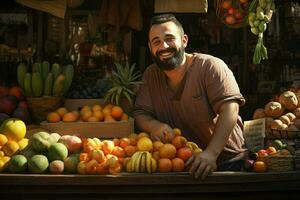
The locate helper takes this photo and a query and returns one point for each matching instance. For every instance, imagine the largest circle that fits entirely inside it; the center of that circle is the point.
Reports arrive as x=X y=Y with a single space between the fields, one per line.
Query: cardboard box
x=92 y=129
x=75 y=104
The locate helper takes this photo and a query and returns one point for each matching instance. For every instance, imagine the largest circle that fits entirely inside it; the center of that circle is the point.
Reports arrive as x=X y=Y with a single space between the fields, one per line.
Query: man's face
x=167 y=45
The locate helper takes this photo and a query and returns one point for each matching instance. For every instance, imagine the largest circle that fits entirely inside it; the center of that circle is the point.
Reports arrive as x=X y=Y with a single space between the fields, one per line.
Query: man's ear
x=185 y=40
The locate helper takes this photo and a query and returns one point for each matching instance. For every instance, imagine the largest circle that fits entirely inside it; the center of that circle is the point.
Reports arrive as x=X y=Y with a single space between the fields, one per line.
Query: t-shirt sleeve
x=221 y=84
x=143 y=103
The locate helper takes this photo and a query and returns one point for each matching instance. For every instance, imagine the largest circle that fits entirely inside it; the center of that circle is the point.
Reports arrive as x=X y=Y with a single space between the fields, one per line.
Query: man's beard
x=171 y=63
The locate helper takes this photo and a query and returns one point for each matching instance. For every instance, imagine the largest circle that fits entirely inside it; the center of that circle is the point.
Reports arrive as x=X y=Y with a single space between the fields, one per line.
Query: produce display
x=95 y=113
x=46 y=152
x=260 y=13
x=42 y=80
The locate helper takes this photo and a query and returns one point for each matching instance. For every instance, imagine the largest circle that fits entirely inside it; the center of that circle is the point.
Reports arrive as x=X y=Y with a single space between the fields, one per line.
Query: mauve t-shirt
x=193 y=108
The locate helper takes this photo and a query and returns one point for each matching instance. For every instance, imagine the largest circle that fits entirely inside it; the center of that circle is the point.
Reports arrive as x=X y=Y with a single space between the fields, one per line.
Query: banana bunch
x=194 y=147
x=43 y=80
x=141 y=161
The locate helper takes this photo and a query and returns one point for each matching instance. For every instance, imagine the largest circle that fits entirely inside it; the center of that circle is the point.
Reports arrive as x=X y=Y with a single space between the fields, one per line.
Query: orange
x=165 y=165
x=155 y=155
x=102 y=169
x=271 y=150
x=157 y=145
x=167 y=151
x=178 y=165
x=130 y=150
x=10 y=148
x=85 y=115
x=184 y=153
x=133 y=141
x=85 y=108
x=96 y=107
x=124 y=142
x=53 y=117
x=107 y=109
x=259 y=166
x=108 y=118
x=116 y=141
x=70 y=117
x=145 y=144
x=93 y=119
x=117 y=112
x=119 y=152
x=124 y=117
x=98 y=114
x=61 y=111
x=179 y=141
x=285 y=152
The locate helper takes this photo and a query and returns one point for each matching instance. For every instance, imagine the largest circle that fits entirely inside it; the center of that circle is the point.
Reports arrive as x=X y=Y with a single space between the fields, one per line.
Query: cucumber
x=37 y=84
x=48 y=85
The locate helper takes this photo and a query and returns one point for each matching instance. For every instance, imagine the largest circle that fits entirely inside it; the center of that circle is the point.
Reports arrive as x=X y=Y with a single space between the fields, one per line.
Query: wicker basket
x=40 y=106
x=281 y=134
x=236 y=5
x=279 y=162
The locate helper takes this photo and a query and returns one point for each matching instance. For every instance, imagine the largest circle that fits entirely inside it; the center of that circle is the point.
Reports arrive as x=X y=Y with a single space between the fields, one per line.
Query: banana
x=134 y=160
x=137 y=163
x=148 y=162
x=193 y=145
x=143 y=162
x=153 y=165
x=128 y=165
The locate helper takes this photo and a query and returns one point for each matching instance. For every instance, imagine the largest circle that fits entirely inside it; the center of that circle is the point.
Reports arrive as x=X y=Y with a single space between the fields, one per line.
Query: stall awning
x=54 y=7
x=180 y=6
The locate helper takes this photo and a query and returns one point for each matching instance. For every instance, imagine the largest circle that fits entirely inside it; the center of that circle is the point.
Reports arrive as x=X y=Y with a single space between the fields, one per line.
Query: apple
x=14 y=129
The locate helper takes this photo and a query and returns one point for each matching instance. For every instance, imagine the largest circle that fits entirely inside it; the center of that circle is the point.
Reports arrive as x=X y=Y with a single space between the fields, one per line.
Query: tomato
x=231 y=11
x=230 y=20
x=226 y=4
x=238 y=15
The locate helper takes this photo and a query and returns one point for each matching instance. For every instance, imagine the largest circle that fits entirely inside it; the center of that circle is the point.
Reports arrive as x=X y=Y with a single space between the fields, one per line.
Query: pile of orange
x=95 y=113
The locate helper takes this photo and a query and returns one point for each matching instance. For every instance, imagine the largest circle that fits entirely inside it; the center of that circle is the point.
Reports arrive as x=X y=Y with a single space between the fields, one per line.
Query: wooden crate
x=92 y=129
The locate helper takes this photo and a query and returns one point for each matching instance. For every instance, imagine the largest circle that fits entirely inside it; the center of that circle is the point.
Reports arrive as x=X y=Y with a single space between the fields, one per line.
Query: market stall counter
x=227 y=185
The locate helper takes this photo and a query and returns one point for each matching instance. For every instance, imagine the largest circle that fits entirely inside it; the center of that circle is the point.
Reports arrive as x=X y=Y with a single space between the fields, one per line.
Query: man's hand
x=202 y=164
x=162 y=132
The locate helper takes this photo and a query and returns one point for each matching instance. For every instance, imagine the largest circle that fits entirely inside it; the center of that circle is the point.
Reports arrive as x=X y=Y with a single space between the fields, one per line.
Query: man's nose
x=164 y=45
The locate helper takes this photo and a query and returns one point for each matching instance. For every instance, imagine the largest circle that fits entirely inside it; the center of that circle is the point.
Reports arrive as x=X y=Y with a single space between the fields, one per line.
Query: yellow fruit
x=145 y=144
x=3 y=162
x=10 y=148
x=14 y=129
x=23 y=143
x=3 y=140
x=1 y=154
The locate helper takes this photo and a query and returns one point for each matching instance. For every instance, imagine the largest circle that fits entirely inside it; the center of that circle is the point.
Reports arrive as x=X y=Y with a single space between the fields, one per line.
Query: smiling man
x=194 y=92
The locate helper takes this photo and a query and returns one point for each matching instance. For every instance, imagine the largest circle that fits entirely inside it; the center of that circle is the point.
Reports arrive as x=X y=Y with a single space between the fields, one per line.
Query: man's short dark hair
x=163 y=18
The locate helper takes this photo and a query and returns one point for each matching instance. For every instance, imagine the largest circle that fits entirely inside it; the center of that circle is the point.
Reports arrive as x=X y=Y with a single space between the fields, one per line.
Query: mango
x=57 y=151
x=38 y=164
x=71 y=163
x=4 y=162
x=41 y=141
x=73 y=143
x=56 y=167
x=18 y=164
x=23 y=143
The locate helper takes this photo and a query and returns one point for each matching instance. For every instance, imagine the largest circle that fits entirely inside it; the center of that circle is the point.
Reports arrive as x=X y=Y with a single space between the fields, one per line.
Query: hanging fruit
x=232 y=13
x=260 y=14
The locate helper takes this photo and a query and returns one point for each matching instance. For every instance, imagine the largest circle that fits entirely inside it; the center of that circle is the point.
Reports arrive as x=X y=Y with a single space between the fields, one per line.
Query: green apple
x=14 y=129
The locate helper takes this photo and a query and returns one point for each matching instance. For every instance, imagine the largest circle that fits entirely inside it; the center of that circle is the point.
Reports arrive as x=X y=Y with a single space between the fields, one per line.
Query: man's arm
x=205 y=162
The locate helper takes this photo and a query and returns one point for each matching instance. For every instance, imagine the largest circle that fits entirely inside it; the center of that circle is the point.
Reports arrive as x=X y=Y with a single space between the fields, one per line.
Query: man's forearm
x=146 y=123
x=225 y=124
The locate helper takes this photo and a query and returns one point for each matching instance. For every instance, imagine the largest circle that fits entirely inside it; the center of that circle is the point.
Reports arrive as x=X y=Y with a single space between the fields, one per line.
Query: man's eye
x=170 y=39
x=156 y=43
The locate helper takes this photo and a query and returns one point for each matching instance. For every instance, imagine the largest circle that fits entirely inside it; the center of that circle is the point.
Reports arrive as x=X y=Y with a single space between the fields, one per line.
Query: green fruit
x=37 y=84
x=38 y=164
x=254 y=30
x=48 y=85
x=18 y=164
x=41 y=141
x=45 y=69
x=277 y=144
x=58 y=85
x=71 y=163
x=21 y=72
x=57 y=151
x=262 y=27
x=27 y=85
x=69 y=73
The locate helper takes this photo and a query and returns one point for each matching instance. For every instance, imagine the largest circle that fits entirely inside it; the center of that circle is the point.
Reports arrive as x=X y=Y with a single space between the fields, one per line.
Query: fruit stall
x=69 y=72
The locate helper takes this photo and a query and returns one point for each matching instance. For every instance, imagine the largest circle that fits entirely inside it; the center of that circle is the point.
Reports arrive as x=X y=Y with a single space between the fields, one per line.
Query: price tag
x=254 y=133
